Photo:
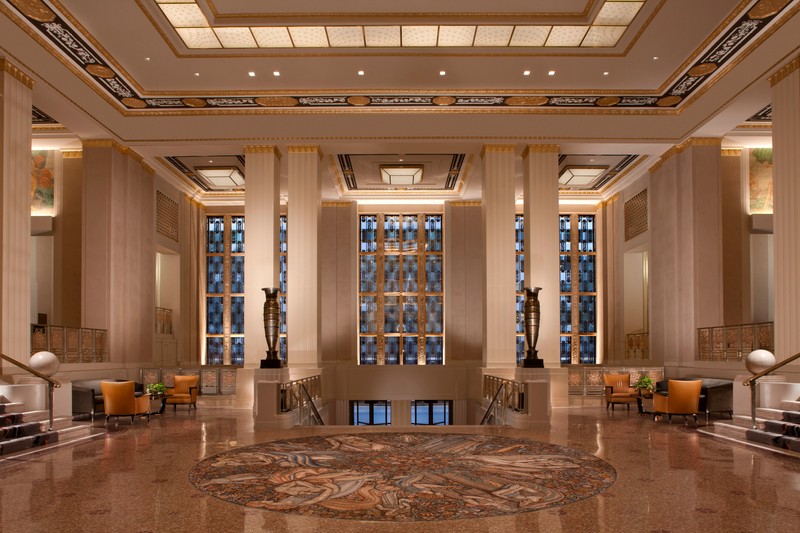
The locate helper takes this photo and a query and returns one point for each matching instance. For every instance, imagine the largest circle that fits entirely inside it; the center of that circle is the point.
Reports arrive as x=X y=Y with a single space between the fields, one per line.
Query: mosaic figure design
x=403 y=476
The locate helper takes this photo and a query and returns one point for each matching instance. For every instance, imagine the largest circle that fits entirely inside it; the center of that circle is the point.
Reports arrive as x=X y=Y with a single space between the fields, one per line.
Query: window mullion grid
x=575 y=356
x=422 y=279
x=380 y=294
x=226 y=297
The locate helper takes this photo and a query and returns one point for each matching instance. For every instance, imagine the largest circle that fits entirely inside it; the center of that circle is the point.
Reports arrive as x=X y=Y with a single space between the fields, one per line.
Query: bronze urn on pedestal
x=272 y=318
x=532 y=314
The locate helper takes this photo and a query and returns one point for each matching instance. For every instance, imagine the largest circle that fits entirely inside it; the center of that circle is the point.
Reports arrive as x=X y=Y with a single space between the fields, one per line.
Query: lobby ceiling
x=365 y=81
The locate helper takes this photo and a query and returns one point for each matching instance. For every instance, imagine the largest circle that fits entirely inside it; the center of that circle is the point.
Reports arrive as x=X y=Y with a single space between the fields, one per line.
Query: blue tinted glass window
x=565 y=274
x=434 y=350
x=433 y=233
x=237 y=350
x=237 y=314
x=368 y=351
x=215 y=274
x=588 y=316
x=564 y=233
x=587 y=350
x=214 y=350
x=369 y=233
x=586 y=273
x=237 y=274
x=237 y=235
x=391 y=351
x=586 y=233
x=214 y=312
x=215 y=235
x=410 y=350
x=566 y=350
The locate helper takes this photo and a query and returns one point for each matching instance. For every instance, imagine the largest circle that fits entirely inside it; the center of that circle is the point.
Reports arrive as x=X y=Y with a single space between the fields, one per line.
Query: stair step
x=9 y=419
x=769 y=414
x=782 y=428
x=24 y=429
x=774 y=439
x=28 y=441
x=11 y=407
x=791 y=416
x=790 y=405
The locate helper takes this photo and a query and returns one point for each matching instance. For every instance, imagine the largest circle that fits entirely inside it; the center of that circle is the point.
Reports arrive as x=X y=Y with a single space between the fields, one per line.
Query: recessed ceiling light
x=360 y=72
x=210 y=160
x=276 y=73
x=401 y=159
x=605 y=73
x=655 y=58
x=442 y=73
x=196 y=73
x=147 y=59
x=526 y=72
x=251 y=74
x=551 y=73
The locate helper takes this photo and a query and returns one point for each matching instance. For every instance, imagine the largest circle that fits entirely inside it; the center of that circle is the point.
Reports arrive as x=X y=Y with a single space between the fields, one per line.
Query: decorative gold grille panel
x=167 y=217
x=636 y=215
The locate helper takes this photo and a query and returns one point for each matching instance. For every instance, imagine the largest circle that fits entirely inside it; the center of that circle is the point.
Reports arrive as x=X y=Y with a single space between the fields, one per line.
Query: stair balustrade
x=752 y=382
x=51 y=383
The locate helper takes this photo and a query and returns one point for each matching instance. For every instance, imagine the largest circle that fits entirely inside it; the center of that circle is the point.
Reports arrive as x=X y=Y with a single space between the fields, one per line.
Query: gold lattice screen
x=636 y=215
x=167 y=219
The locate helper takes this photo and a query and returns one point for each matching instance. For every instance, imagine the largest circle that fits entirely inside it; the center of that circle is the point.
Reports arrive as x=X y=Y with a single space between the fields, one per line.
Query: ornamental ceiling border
x=66 y=42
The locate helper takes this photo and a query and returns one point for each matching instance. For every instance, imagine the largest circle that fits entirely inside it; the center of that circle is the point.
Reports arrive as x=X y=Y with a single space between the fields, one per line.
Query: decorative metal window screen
x=167 y=217
x=578 y=287
x=401 y=289
x=636 y=215
x=225 y=290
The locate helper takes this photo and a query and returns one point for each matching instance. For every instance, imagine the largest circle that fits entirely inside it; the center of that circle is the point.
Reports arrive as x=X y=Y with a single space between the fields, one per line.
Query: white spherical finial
x=44 y=362
x=759 y=360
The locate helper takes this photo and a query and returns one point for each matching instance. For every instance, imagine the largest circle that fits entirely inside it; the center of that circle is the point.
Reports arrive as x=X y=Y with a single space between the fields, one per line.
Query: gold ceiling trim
x=704 y=141
x=174 y=171
x=16 y=73
x=627 y=170
x=540 y=148
x=72 y=154
x=533 y=15
x=122 y=149
x=336 y=203
x=262 y=149
x=49 y=128
x=785 y=71
x=465 y=203
x=746 y=126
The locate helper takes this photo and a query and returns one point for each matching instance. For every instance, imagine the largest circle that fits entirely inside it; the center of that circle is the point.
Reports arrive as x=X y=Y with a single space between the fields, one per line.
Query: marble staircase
x=777 y=430
x=22 y=430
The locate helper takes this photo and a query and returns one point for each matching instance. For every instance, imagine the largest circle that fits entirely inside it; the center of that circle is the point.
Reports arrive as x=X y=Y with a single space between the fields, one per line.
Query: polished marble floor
x=135 y=479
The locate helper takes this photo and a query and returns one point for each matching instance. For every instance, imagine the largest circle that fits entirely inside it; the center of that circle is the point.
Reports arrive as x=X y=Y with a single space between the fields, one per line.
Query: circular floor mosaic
x=403 y=476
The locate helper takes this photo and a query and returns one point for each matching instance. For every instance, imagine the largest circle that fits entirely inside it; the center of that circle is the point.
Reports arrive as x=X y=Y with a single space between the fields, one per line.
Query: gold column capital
x=784 y=71
x=497 y=148
x=540 y=148
x=262 y=149
x=731 y=152
x=72 y=154
x=16 y=73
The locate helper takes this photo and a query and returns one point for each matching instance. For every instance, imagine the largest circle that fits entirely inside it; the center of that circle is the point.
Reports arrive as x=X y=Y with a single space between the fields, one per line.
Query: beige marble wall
x=735 y=239
x=339 y=282
x=610 y=230
x=118 y=250
x=68 y=234
x=463 y=250
x=686 y=250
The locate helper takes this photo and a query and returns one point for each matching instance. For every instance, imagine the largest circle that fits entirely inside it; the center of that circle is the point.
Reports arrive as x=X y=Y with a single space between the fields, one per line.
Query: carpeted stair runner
x=781 y=433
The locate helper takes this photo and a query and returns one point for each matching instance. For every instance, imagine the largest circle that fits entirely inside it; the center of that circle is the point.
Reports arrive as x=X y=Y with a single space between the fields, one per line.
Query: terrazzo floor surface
x=136 y=478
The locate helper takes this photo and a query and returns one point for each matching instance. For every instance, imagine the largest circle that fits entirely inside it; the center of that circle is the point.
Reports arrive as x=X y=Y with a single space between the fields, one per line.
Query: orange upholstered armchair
x=119 y=399
x=682 y=398
x=183 y=392
x=618 y=389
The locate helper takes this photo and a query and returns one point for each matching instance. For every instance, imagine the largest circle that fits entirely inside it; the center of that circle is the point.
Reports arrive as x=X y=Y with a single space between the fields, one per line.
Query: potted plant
x=645 y=382
x=156 y=389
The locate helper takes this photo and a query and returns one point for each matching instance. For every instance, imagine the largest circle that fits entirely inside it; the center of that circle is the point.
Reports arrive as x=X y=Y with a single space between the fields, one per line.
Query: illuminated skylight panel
x=420 y=35
x=346 y=36
x=309 y=36
x=617 y=13
x=236 y=37
x=199 y=37
x=566 y=36
x=456 y=35
x=382 y=36
x=273 y=37
x=184 y=15
x=603 y=36
x=493 y=35
x=530 y=35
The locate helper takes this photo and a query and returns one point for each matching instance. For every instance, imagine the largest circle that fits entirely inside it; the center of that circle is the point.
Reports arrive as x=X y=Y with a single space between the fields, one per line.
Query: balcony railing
x=733 y=343
x=71 y=345
x=163 y=321
x=503 y=395
x=300 y=395
x=587 y=380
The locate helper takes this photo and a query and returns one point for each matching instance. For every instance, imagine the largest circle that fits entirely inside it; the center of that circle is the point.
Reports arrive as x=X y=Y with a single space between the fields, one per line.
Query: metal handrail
x=51 y=383
x=310 y=401
x=491 y=405
x=752 y=382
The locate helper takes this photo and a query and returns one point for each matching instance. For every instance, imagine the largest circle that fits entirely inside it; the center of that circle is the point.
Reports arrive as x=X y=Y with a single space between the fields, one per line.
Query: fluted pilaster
x=303 y=275
x=499 y=325
x=786 y=186
x=15 y=204
x=540 y=192
x=262 y=260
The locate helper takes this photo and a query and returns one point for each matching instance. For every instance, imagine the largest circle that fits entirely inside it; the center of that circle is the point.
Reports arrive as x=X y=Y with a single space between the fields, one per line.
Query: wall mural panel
x=43 y=182
x=760 y=174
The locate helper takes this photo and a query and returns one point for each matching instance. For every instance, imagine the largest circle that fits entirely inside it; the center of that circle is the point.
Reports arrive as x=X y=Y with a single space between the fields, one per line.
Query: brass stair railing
x=51 y=383
x=752 y=382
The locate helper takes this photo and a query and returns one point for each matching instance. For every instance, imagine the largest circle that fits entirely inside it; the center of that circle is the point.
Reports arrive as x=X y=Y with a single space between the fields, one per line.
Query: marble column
x=303 y=321
x=118 y=249
x=15 y=205
x=499 y=325
x=540 y=193
x=261 y=262
x=786 y=172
